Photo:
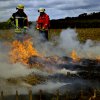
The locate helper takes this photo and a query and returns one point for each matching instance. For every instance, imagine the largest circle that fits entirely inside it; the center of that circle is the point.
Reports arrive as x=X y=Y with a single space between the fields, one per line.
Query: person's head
x=41 y=11
x=20 y=7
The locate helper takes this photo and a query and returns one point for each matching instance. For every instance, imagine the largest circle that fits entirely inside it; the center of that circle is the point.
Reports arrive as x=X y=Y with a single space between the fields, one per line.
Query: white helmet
x=41 y=10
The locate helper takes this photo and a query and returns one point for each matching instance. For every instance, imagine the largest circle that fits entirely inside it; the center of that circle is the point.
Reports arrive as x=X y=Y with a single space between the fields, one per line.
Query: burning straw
x=22 y=51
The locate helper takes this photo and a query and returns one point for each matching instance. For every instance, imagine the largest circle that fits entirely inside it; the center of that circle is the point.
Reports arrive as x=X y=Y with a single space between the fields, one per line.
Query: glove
x=8 y=21
x=43 y=29
x=37 y=28
x=17 y=30
x=25 y=29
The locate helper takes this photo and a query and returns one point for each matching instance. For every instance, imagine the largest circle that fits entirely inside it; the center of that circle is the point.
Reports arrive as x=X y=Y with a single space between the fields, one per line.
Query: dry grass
x=83 y=34
x=88 y=33
x=6 y=34
x=54 y=32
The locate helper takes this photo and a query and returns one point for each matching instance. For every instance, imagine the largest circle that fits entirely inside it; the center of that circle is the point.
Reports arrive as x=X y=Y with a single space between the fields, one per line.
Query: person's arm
x=26 y=23
x=37 y=23
x=11 y=19
x=47 y=22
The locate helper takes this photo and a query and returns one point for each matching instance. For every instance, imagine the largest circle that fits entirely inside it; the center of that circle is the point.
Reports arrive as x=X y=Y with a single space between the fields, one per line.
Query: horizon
x=63 y=17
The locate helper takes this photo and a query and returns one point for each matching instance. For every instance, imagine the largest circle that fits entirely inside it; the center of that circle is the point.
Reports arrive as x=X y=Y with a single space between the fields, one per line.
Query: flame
x=98 y=58
x=22 y=51
x=74 y=56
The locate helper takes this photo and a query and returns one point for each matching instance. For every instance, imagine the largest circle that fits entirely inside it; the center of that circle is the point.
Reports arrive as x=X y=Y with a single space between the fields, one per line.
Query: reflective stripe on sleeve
x=16 y=23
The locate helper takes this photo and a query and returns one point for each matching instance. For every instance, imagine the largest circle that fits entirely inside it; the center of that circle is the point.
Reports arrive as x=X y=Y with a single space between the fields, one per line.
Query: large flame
x=74 y=56
x=22 y=51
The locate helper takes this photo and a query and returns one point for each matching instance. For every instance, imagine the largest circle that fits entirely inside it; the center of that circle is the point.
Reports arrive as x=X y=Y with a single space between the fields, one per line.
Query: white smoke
x=11 y=74
x=69 y=42
x=66 y=72
x=47 y=48
x=66 y=43
x=13 y=70
x=11 y=88
x=91 y=49
x=9 y=71
x=49 y=86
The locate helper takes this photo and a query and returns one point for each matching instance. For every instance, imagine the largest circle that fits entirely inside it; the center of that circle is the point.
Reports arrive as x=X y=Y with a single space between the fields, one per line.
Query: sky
x=56 y=9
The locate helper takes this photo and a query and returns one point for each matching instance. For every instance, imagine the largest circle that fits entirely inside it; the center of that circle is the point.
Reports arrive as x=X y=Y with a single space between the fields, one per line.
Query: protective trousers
x=44 y=34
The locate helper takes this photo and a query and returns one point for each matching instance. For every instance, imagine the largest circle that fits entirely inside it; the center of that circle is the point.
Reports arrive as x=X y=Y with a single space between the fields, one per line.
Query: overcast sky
x=54 y=8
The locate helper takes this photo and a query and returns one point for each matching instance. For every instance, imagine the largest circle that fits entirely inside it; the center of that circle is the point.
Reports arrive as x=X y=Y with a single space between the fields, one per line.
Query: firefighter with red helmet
x=43 y=23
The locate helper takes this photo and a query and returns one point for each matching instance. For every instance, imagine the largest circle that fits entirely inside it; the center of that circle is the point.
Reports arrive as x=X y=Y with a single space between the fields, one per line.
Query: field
x=83 y=34
x=88 y=33
x=87 y=77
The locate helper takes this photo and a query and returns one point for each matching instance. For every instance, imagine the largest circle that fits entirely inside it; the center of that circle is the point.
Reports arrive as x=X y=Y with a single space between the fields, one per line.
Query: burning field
x=67 y=65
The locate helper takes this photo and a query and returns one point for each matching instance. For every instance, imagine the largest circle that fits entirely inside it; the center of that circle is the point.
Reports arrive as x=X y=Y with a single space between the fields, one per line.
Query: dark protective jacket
x=20 y=19
x=43 y=22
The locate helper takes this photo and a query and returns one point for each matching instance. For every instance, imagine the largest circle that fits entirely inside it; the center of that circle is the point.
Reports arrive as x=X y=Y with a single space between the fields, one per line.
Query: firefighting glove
x=10 y=23
x=25 y=30
x=43 y=29
x=37 y=28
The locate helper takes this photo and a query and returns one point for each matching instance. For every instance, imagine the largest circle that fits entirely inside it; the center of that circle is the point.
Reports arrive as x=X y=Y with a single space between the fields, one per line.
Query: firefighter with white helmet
x=43 y=23
x=19 y=19
x=41 y=10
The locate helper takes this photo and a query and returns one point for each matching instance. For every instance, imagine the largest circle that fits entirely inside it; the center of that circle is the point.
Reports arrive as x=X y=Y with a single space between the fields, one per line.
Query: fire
x=98 y=58
x=74 y=56
x=21 y=51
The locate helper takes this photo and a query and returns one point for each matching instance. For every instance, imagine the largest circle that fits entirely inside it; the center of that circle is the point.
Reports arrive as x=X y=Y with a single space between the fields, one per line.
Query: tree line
x=84 y=20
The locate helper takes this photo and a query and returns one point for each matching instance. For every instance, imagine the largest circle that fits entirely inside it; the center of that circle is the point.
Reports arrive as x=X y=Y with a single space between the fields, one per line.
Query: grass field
x=88 y=33
x=6 y=35
x=83 y=34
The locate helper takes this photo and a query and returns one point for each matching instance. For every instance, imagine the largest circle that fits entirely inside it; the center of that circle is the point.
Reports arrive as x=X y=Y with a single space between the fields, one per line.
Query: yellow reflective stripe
x=16 y=23
x=12 y=17
x=18 y=30
x=25 y=26
x=25 y=17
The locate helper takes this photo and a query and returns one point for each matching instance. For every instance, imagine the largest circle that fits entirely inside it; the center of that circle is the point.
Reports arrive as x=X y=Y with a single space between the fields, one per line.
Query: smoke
x=8 y=71
x=65 y=44
x=65 y=71
x=11 y=74
x=10 y=88
x=13 y=70
x=46 y=48
x=48 y=86
x=91 y=49
x=69 y=42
